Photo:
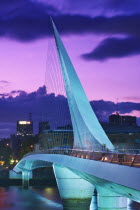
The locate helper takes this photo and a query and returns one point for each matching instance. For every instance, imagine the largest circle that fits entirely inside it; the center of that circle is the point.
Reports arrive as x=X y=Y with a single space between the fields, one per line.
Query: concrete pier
x=25 y=179
x=26 y=174
x=75 y=192
x=110 y=200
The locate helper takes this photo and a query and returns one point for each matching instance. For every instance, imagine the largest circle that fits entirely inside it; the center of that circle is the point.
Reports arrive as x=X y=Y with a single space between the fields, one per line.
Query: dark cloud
x=114 y=48
x=25 y=7
x=104 y=108
x=38 y=102
x=119 y=6
x=50 y=107
x=106 y=6
x=16 y=92
x=125 y=25
x=13 y=93
x=126 y=107
x=6 y=129
x=4 y=94
x=42 y=91
x=98 y=7
x=26 y=20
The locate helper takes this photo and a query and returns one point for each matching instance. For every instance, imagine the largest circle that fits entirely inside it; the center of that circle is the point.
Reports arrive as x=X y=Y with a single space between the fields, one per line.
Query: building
x=123 y=131
x=117 y=119
x=54 y=139
x=15 y=144
x=66 y=127
x=115 y=129
x=43 y=126
x=25 y=128
x=125 y=140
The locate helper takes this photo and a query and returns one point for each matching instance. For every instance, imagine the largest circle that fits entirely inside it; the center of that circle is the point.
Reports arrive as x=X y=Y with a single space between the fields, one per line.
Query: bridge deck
x=132 y=160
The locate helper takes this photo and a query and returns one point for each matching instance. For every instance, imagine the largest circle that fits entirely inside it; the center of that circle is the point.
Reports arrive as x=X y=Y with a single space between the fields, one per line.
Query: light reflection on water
x=39 y=198
x=15 y=198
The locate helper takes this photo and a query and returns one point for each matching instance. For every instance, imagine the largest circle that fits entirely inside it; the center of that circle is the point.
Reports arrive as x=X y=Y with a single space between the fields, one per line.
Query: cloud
x=4 y=94
x=24 y=7
x=6 y=129
x=16 y=92
x=128 y=107
x=99 y=7
x=131 y=98
x=114 y=48
x=13 y=93
x=13 y=108
x=4 y=82
x=51 y=107
x=104 y=108
x=27 y=20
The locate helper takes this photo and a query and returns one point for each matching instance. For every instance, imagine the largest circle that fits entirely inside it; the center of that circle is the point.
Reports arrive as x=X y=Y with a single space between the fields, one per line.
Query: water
x=42 y=198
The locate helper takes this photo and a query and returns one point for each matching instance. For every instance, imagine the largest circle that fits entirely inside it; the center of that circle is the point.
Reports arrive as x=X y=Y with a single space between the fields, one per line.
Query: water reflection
x=15 y=198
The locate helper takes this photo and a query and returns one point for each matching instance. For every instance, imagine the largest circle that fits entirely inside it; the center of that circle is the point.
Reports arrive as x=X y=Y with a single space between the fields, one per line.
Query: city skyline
x=48 y=107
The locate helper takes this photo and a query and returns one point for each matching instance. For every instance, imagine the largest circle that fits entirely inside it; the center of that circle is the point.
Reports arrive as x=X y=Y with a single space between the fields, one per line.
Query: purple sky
x=101 y=37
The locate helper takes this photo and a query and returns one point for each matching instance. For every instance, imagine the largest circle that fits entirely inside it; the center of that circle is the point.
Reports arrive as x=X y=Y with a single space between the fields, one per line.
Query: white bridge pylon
x=88 y=133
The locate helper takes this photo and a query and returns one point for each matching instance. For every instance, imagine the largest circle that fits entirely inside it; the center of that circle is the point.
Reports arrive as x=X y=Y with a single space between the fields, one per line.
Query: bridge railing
x=116 y=157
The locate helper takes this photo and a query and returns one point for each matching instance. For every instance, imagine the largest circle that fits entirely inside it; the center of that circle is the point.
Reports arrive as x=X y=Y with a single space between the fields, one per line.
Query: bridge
x=88 y=166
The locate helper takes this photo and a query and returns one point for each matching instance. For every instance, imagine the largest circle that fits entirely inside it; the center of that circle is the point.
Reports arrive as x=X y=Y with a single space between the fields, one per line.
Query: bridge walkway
x=130 y=158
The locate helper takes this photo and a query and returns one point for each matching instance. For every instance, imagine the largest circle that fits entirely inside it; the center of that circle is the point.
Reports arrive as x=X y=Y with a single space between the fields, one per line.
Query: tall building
x=117 y=119
x=43 y=126
x=24 y=128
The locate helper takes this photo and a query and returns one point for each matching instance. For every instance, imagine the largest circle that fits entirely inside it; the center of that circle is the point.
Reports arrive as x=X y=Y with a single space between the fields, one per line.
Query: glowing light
x=24 y=122
x=106 y=159
x=49 y=191
x=12 y=161
x=7 y=144
x=1 y=163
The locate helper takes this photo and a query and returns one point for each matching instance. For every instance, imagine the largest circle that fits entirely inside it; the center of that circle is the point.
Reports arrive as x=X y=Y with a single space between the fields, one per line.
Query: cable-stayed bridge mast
x=88 y=133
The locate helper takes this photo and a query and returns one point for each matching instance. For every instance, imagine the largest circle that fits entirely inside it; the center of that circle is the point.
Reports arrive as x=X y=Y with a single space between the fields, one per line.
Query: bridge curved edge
x=119 y=174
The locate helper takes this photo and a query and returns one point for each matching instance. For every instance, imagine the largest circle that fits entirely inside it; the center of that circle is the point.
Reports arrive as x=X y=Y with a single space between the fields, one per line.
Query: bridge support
x=25 y=179
x=26 y=173
x=110 y=200
x=76 y=193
